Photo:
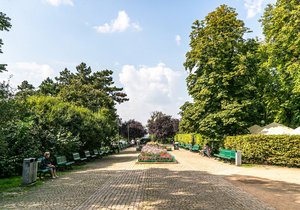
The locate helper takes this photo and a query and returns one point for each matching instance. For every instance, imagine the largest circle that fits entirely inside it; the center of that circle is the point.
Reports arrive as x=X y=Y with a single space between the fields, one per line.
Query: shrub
x=184 y=138
x=267 y=149
x=20 y=140
x=190 y=138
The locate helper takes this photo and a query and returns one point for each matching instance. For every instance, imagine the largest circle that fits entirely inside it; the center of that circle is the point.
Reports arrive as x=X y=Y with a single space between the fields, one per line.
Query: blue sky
x=143 y=42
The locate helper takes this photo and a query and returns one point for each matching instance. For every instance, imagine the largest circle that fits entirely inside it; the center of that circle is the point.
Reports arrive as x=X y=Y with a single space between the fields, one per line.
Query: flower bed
x=154 y=152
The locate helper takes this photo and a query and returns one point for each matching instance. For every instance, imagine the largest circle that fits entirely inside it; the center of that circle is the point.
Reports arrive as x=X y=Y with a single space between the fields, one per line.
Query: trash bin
x=29 y=173
x=176 y=145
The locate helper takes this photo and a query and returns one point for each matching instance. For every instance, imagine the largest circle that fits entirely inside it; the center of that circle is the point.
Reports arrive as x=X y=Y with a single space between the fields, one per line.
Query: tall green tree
x=91 y=90
x=25 y=89
x=4 y=26
x=48 y=87
x=281 y=27
x=222 y=79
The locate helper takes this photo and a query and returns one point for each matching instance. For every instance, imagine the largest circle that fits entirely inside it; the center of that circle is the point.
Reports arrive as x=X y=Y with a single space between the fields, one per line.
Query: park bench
x=88 y=155
x=97 y=153
x=77 y=157
x=226 y=154
x=42 y=171
x=188 y=146
x=196 y=148
x=62 y=162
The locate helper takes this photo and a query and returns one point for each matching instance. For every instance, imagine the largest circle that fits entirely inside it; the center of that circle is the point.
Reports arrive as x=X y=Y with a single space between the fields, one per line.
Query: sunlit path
x=116 y=182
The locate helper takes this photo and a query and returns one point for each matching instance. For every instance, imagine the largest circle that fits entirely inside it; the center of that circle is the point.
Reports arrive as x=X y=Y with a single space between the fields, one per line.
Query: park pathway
x=117 y=182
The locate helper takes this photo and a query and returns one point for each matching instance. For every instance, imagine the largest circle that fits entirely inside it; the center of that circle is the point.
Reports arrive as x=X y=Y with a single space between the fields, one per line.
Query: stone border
x=173 y=162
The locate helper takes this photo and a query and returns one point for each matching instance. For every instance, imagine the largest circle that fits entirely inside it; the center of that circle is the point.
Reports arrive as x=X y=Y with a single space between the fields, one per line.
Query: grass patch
x=8 y=183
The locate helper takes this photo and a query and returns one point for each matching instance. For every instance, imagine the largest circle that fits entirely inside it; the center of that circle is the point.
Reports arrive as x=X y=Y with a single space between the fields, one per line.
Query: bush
x=20 y=141
x=77 y=123
x=190 y=138
x=267 y=149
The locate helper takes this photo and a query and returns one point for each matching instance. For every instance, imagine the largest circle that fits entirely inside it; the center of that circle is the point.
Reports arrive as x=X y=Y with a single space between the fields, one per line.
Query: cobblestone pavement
x=116 y=182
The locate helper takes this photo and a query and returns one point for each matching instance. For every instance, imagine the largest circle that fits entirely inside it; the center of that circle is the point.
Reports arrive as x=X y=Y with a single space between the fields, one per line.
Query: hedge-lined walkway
x=116 y=182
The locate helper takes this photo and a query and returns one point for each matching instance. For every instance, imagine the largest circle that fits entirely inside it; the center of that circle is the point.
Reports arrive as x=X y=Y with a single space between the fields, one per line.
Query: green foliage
x=4 y=26
x=223 y=77
x=198 y=139
x=84 y=88
x=267 y=149
x=184 y=138
x=25 y=89
x=57 y=116
x=190 y=138
x=282 y=48
x=162 y=126
x=10 y=183
x=134 y=128
x=19 y=140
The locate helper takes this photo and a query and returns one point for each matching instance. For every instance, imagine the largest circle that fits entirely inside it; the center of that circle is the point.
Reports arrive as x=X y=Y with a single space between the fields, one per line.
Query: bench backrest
x=87 y=153
x=61 y=159
x=227 y=153
x=76 y=156
x=96 y=152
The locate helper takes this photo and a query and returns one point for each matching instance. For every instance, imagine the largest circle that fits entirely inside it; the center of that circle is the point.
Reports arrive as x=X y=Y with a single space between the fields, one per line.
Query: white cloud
x=120 y=24
x=151 y=89
x=57 y=3
x=253 y=7
x=178 y=40
x=33 y=72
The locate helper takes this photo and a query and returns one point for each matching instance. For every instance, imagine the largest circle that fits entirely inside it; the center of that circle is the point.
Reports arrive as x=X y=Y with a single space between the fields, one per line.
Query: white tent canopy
x=276 y=129
x=296 y=131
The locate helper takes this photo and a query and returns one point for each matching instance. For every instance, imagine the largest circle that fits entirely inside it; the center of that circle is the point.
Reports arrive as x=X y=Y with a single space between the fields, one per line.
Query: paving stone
x=116 y=182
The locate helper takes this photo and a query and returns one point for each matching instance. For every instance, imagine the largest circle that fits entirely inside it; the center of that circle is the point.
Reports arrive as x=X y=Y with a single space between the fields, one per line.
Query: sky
x=144 y=42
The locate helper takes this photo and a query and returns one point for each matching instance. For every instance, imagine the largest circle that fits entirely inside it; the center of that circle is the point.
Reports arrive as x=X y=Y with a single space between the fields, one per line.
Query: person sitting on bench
x=206 y=151
x=46 y=163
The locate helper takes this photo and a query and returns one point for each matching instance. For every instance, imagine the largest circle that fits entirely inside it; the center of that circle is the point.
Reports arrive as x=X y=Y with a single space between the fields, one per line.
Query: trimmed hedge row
x=267 y=149
x=184 y=138
x=189 y=138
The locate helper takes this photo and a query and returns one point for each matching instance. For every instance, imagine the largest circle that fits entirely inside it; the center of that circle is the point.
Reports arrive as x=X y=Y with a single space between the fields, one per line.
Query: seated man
x=206 y=151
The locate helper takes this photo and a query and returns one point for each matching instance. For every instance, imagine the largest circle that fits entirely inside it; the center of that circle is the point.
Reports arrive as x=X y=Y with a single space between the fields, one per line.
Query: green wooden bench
x=188 y=146
x=42 y=171
x=62 y=162
x=77 y=157
x=97 y=153
x=88 y=155
x=196 y=148
x=226 y=154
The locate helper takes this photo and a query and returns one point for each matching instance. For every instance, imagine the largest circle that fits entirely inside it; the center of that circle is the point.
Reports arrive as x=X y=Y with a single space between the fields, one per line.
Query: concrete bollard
x=238 y=158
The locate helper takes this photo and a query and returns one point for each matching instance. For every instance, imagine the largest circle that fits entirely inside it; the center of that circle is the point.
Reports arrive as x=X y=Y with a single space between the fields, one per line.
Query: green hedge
x=189 y=138
x=184 y=138
x=267 y=149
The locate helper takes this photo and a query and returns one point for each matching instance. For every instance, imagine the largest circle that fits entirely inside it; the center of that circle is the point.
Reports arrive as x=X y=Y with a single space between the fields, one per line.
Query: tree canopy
x=222 y=76
x=282 y=56
x=5 y=25
x=162 y=126
x=132 y=129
